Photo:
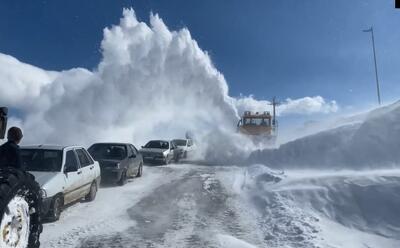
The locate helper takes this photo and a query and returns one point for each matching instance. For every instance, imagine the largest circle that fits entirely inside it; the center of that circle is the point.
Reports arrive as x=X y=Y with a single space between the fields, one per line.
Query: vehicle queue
x=69 y=174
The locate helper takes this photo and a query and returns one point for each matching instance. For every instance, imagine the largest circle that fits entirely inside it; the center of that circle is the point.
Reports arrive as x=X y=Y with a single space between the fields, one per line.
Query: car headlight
x=43 y=193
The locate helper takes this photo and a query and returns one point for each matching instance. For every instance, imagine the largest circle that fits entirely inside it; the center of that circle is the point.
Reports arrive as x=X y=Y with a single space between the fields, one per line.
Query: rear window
x=159 y=144
x=41 y=160
x=108 y=151
x=180 y=142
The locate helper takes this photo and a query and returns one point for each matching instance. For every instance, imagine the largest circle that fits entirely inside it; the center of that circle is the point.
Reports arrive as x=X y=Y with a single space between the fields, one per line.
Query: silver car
x=159 y=152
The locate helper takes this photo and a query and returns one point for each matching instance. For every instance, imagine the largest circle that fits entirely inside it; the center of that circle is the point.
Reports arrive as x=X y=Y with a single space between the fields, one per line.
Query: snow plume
x=303 y=106
x=21 y=84
x=152 y=83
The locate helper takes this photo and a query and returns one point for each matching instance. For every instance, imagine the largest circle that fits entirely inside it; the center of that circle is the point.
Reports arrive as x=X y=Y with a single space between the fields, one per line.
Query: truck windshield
x=180 y=142
x=41 y=159
x=159 y=144
x=107 y=151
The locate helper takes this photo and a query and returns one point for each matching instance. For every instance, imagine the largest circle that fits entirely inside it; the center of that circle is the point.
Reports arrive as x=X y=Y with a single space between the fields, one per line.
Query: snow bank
x=373 y=143
x=324 y=208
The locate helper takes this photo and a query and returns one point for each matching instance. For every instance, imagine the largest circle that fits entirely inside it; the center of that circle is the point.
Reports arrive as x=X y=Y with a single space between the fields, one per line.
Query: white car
x=186 y=146
x=65 y=173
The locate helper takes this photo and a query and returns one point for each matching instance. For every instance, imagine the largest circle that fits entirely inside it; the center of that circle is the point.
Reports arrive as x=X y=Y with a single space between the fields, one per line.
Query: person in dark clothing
x=9 y=151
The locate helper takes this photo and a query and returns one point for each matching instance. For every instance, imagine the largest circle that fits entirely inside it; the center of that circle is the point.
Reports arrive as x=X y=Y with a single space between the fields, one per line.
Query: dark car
x=118 y=161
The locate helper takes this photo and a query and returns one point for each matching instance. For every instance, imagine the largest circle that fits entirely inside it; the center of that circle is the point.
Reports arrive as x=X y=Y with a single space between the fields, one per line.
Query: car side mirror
x=71 y=168
x=132 y=156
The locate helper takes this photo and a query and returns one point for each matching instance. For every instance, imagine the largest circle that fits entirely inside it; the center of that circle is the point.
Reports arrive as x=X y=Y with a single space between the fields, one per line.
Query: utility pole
x=371 y=30
x=274 y=103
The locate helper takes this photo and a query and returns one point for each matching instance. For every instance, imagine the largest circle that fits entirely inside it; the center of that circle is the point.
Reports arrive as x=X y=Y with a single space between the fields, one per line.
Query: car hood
x=155 y=150
x=42 y=177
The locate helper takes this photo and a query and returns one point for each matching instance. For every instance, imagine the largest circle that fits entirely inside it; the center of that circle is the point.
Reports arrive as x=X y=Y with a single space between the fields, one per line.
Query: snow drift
x=321 y=208
x=372 y=143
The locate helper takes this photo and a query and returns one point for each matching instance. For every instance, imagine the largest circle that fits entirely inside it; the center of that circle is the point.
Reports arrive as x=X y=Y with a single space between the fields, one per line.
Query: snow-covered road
x=186 y=205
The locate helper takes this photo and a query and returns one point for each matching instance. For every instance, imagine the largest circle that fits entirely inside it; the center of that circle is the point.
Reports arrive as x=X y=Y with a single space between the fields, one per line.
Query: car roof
x=111 y=143
x=159 y=141
x=49 y=147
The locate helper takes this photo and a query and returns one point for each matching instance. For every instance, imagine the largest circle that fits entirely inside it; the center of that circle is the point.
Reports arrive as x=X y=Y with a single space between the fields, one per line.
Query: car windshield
x=41 y=160
x=159 y=144
x=107 y=151
x=180 y=142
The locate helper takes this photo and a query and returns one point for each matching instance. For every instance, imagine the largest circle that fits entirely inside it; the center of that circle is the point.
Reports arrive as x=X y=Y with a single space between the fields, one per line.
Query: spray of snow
x=151 y=83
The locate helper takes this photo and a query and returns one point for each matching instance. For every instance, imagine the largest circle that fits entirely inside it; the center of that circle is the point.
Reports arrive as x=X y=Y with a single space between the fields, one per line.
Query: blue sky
x=286 y=48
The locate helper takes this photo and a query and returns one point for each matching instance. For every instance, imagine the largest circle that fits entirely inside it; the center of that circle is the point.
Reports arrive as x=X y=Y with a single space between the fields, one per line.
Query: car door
x=71 y=178
x=136 y=159
x=93 y=174
x=172 y=150
x=86 y=175
x=129 y=160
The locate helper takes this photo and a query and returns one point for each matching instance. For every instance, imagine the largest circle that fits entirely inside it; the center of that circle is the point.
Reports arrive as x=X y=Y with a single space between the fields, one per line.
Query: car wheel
x=20 y=209
x=56 y=208
x=140 y=171
x=123 y=179
x=92 y=193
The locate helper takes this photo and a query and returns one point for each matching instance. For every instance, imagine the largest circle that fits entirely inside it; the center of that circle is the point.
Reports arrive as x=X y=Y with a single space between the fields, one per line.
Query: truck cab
x=258 y=126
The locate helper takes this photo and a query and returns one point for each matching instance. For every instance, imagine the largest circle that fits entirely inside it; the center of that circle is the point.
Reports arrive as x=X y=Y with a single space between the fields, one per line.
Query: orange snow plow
x=261 y=127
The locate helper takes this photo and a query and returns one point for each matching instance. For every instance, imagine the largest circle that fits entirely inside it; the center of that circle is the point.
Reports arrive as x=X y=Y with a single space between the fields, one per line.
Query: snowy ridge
x=372 y=143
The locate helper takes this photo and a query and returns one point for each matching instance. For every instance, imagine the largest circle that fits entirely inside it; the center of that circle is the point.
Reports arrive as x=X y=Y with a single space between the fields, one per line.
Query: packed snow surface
x=183 y=205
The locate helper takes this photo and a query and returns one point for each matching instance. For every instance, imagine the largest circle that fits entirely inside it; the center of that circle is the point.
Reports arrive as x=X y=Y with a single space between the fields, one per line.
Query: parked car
x=160 y=151
x=65 y=174
x=185 y=146
x=118 y=161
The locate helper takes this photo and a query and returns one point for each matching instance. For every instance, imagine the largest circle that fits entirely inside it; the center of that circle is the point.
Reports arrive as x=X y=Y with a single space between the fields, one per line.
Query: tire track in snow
x=187 y=212
x=106 y=215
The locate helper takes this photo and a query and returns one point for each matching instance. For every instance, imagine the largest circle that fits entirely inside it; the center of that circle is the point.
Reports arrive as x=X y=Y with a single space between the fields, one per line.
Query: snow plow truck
x=261 y=127
x=20 y=203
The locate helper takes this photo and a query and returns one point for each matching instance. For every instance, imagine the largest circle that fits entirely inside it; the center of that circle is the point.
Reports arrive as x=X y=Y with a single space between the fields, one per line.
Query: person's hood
x=153 y=150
